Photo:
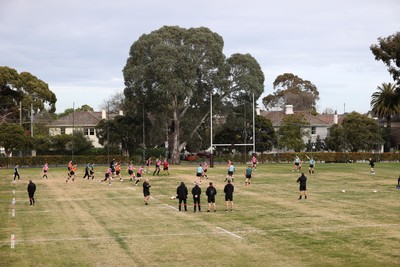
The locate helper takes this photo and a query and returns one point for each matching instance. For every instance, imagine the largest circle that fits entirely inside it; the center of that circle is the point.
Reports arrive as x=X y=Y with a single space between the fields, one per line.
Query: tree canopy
x=25 y=88
x=357 y=133
x=292 y=90
x=291 y=132
x=388 y=51
x=172 y=73
x=12 y=136
x=385 y=104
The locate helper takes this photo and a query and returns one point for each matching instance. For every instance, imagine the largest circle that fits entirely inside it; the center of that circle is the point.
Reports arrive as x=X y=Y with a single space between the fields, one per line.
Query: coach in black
x=303 y=185
x=31 y=192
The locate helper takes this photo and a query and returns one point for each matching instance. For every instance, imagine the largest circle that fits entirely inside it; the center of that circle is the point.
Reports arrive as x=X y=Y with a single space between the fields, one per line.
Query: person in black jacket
x=302 y=180
x=211 y=192
x=228 y=190
x=31 y=192
x=181 y=194
x=146 y=191
x=196 y=192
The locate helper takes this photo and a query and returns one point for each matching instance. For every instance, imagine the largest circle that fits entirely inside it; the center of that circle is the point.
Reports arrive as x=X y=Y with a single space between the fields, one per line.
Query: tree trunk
x=175 y=159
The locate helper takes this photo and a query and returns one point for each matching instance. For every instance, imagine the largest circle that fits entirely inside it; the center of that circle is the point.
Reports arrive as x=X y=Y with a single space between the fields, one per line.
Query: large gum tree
x=172 y=73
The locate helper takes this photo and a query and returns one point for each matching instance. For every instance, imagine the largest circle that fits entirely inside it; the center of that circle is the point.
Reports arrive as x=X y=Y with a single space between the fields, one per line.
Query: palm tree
x=385 y=103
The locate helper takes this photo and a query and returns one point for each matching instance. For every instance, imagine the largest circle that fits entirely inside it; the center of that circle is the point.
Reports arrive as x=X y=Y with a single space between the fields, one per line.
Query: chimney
x=121 y=113
x=289 y=109
x=103 y=114
x=335 y=118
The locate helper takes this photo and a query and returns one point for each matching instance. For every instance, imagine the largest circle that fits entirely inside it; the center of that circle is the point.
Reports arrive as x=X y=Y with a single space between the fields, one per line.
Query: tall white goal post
x=211 y=133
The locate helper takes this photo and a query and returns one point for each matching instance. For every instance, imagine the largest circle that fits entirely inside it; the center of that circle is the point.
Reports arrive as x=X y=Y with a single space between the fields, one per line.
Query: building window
x=62 y=130
x=89 y=131
x=313 y=130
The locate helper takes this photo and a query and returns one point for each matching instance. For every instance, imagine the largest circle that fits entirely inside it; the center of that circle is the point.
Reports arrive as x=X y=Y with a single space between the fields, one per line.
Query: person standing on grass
x=139 y=175
x=118 y=171
x=372 y=165
x=182 y=193
x=311 y=165
x=228 y=190
x=131 y=171
x=248 y=174
x=45 y=169
x=31 y=192
x=148 y=163
x=165 y=167
x=199 y=172
x=16 y=172
x=211 y=192
x=302 y=180
x=86 y=171
x=91 y=171
x=231 y=170
x=146 y=191
x=107 y=176
x=72 y=173
x=69 y=168
x=196 y=192
x=205 y=168
x=158 y=165
x=254 y=163
x=398 y=182
x=297 y=164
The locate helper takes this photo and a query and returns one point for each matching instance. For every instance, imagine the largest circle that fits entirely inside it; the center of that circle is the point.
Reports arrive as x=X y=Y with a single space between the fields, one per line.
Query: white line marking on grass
x=45 y=240
x=229 y=233
x=12 y=241
x=13 y=201
x=131 y=188
x=13 y=191
x=169 y=206
x=13 y=213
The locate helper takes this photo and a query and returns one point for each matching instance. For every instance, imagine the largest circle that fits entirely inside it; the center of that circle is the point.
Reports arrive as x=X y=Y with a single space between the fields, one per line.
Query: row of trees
x=175 y=76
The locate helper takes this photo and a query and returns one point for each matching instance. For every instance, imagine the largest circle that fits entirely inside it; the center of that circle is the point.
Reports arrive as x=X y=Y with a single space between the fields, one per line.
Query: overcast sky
x=79 y=47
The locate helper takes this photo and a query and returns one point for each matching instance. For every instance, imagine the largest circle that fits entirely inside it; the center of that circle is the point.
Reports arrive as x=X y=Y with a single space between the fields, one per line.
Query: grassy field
x=87 y=223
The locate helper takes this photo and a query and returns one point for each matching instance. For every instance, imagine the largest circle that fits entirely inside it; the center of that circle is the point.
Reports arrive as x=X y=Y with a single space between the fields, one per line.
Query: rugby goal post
x=211 y=134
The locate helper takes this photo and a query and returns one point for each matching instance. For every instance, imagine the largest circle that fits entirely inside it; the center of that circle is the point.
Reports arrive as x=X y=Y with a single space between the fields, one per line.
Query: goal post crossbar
x=233 y=144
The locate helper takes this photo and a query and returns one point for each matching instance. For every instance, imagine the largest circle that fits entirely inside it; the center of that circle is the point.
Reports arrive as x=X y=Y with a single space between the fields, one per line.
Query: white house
x=84 y=121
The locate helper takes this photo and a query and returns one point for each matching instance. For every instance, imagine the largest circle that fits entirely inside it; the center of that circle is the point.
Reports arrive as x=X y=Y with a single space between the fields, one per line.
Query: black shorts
x=72 y=173
x=198 y=174
x=138 y=175
x=165 y=168
x=117 y=172
x=205 y=170
x=91 y=172
x=211 y=199
x=230 y=173
x=303 y=188
x=297 y=164
x=130 y=172
x=107 y=175
x=311 y=166
x=228 y=198
x=248 y=176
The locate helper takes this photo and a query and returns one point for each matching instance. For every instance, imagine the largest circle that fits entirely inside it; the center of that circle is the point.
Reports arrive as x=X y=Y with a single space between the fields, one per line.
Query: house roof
x=80 y=118
x=315 y=120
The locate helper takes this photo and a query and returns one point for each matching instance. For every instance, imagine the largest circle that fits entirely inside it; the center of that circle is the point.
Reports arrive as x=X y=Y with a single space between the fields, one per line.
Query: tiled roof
x=80 y=118
x=315 y=120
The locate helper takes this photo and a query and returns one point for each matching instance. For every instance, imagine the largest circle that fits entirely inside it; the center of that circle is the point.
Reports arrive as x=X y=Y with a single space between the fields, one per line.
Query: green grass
x=86 y=223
